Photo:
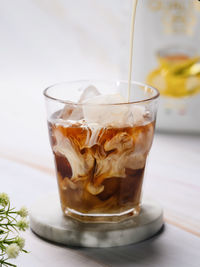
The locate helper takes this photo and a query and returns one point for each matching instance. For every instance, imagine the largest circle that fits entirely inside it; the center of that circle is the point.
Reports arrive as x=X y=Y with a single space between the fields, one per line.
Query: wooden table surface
x=172 y=178
x=27 y=172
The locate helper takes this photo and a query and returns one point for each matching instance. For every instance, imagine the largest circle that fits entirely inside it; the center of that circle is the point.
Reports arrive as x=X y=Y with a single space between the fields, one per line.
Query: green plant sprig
x=11 y=222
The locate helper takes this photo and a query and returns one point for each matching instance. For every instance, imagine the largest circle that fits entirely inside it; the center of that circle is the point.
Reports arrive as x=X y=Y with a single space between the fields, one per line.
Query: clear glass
x=100 y=141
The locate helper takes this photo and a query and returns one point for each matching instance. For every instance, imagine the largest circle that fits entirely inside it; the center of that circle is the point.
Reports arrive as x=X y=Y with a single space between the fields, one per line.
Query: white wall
x=47 y=41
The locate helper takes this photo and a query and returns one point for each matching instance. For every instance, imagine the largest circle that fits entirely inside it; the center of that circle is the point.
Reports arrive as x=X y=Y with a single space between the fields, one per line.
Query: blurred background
x=49 y=41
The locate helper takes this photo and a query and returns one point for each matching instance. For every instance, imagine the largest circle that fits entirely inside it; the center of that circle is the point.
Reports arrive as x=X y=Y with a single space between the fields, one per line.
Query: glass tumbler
x=100 y=136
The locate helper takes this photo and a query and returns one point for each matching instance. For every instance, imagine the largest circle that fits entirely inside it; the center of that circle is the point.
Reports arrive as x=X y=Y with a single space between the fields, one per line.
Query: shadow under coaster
x=47 y=221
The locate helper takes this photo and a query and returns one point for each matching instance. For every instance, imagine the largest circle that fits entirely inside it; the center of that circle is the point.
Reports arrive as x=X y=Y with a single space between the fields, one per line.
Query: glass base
x=102 y=218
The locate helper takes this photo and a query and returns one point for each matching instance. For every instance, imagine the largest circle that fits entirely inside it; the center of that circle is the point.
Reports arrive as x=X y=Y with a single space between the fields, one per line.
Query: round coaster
x=47 y=221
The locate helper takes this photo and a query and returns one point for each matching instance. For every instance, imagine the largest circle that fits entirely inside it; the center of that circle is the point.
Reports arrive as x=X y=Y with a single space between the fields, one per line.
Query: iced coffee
x=100 y=146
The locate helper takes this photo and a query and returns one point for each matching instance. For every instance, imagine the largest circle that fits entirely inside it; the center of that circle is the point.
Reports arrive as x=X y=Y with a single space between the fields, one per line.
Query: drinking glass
x=101 y=136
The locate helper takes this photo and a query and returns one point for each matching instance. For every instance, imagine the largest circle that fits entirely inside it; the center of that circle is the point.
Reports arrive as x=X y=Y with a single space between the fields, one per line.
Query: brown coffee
x=100 y=171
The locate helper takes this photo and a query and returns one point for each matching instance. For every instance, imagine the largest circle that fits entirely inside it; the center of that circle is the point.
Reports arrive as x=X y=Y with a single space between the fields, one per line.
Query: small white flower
x=12 y=251
x=22 y=224
x=20 y=241
x=4 y=199
x=23 y=212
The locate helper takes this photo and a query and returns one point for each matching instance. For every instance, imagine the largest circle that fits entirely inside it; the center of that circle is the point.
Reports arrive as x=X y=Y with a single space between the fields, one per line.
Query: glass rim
x=156 y=96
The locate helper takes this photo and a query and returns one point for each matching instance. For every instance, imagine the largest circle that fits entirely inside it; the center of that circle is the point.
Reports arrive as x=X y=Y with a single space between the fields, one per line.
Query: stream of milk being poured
x=131 y=46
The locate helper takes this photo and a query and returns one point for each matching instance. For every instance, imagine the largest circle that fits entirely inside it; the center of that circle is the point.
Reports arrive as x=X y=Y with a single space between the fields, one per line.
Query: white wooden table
x=173 y=179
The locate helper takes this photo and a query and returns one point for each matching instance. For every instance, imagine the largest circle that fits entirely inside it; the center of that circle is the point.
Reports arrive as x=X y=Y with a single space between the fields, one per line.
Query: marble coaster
x=47 y=221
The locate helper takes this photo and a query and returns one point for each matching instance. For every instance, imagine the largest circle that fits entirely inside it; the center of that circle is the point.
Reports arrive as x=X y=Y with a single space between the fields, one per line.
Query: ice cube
x=66 y=112
x=114 y=115
x=77 y=114
x=71 y=112
x=89 y=92
x=136 y=114
x=74 y=111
